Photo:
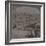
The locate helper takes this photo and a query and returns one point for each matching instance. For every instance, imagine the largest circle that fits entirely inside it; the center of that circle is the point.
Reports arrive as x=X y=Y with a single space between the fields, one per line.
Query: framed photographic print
x=25 y=22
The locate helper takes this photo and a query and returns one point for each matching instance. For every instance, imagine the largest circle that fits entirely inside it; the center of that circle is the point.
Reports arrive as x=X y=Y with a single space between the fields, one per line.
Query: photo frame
x=24 y=22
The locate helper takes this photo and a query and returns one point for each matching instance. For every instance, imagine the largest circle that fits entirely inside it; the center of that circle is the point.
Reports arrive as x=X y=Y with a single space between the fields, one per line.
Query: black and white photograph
x=24 y=22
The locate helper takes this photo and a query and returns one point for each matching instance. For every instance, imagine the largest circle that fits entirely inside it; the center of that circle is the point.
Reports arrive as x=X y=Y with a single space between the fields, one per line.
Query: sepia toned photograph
x=24 y=22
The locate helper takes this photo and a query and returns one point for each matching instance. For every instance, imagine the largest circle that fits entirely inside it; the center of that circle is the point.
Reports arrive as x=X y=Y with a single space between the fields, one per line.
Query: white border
x=28 y=39
x=9 y=21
